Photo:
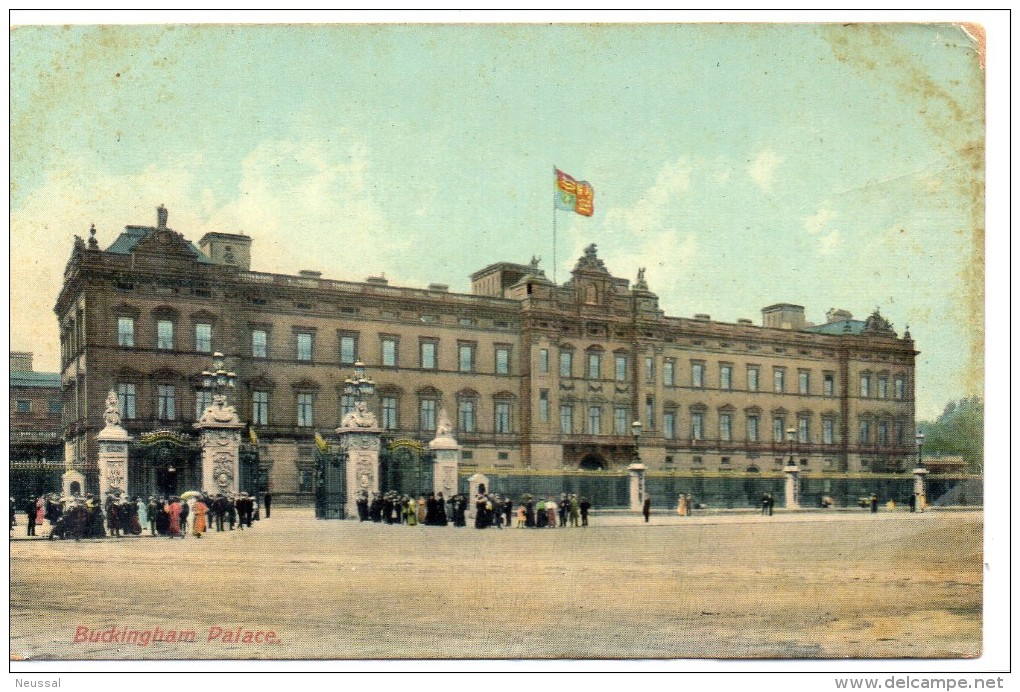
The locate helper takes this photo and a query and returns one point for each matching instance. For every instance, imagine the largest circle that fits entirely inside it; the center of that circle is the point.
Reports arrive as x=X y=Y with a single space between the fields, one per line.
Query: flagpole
x=554 y=225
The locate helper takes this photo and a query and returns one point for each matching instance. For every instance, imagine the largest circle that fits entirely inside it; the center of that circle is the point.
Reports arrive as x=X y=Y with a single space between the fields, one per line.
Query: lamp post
x=791 y=470
x=359 y=386
x=919 y=473
x=219 y=379
x=637 y=471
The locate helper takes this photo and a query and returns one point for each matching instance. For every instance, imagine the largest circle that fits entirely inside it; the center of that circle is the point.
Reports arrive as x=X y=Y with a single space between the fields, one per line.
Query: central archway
x=593 y=462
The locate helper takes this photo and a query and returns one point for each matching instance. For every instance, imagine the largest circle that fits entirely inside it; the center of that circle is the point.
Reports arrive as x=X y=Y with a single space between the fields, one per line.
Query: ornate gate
x=250 y=479
x=405 y=466
x=164 y=463
x=330 y=483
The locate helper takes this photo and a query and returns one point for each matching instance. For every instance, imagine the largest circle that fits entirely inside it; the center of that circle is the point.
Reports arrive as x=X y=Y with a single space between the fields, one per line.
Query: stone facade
x=535 y=375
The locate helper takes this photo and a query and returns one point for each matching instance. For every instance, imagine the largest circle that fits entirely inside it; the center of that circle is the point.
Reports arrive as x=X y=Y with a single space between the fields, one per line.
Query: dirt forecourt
x=825 y=584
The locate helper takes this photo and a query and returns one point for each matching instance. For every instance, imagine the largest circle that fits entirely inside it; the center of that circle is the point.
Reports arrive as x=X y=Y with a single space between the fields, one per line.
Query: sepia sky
x=826 y=165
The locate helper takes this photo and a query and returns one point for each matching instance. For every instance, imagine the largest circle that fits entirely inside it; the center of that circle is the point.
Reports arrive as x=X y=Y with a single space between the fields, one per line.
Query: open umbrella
x=190 y=494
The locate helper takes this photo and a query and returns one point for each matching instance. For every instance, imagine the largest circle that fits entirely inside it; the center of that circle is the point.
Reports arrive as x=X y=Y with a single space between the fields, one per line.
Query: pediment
x=164 y=242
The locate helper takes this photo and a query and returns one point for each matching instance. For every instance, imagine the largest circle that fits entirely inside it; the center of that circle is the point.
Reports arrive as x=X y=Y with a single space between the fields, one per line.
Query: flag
x=574 y=195
x=321 y=443
x=252 y=437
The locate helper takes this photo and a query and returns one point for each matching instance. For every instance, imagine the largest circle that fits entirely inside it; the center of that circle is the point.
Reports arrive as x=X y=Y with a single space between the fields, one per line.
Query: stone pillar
x=68 y=481
x=637 y=486
x=919 y=488
x=113 y=453
x=220 y=436
x=792 y=486
x=447 y=451
x=475 y=481
x=361 y=448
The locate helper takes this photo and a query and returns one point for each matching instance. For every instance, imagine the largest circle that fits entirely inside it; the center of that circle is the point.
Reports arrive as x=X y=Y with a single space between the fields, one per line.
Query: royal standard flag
x=574 y=195
x=321 y=443
x=252 y=436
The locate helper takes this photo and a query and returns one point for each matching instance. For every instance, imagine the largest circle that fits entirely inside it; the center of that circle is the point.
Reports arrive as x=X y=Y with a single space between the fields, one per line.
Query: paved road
x=718 y=585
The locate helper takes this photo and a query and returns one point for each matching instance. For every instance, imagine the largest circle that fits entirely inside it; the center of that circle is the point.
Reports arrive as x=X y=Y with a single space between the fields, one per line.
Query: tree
x=958 y=431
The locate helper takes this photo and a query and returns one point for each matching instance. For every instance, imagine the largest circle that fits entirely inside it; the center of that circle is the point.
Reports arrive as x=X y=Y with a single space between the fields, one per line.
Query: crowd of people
x=83 y=516
x=490 y=510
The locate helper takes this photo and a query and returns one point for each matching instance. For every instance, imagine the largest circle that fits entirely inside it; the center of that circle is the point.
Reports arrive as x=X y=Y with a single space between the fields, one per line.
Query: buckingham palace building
x=533 y=375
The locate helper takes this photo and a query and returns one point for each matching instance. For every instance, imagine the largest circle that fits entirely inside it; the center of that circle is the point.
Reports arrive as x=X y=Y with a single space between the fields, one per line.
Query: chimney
x=21 y=361
x=744 y=320
x=309 y=274
x=783 y=316
x=703 y=317
x=837 y=315
x=443 y=288
x=377 y=280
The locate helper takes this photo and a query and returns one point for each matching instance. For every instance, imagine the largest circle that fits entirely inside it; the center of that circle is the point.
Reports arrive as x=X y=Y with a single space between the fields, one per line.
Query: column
x=445 y=465
x=113 y=453
x=792 y=487
x=220 y=436
x=637 y=486
x=919 y=488
x=361 y=449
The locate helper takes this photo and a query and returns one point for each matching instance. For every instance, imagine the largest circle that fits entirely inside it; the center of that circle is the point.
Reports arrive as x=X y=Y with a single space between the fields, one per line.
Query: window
x=260 y=407
x=804 y=430
x=566 y=419
x=828 y=384
x=304 y=346
x=304 y=481
x=347 y=404
x=594 y=365
x=697 y=426
x=725 y=377
x=543 y=405
x=502 y=360
x=348 y=349
x=726 y=426
x=126 y=394
x=389 y=412
x=24 y=406
x=56 y=406
x=466 y=410
x=125 y=331
x=828 y=431
x=165 y=335
x=778 y=426
x=595 y=420
x=883 y=432
x=753 y=431
x=465 y=321
x=650 y=369
x=166 y=403
x=259 y=343
x=752 y=378
x=466 y=357
x=901 y=430
x=865 y=385
x=621 y=367
x=389 y=352
x=502 y=417
x=804 y=382
x=427 y=414
x=899 y=387
x=427 y=354
x=669 y=425
x=865 y=432
x=621 y=418
x=779 y=380
x=566 y=363
x=203 y=338
x=305 y=411
x=650 y=412
x=669 y=372
x=697 y=374
x=543 y=360
x=883 y=387
x=203 y=400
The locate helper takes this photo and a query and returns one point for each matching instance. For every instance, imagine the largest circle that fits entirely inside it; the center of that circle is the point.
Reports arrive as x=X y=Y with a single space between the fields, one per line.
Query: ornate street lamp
x=359 y=386
x=219 y=379
x=920 y=444
x=635 y=430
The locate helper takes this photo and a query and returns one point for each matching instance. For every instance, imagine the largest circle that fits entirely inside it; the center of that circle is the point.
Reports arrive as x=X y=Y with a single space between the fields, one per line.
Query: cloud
x=762 y=169
x=819 y=227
